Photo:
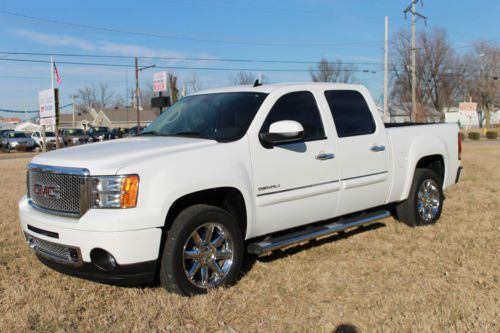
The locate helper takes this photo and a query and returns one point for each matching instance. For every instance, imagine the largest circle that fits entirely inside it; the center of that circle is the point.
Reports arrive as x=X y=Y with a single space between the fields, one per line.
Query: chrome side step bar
x=315 y=232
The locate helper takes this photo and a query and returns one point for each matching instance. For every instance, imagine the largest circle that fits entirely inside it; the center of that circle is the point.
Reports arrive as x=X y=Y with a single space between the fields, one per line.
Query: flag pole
x=56 y=96
x=44 y=139
x=52 y=72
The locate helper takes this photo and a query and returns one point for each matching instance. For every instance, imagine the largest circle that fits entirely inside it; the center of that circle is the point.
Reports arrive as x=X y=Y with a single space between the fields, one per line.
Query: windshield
x=222 y=116
x=50 y=134
x=17 y=135
x=100 y=129
x=75 y=132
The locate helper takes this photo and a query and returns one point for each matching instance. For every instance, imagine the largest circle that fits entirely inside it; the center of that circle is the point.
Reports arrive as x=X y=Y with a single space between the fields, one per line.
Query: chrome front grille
x=60 y=191
x=57 y=252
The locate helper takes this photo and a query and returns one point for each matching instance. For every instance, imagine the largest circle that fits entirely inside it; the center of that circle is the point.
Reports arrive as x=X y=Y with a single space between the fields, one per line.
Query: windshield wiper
x=195 y=134
x=185 y=133
x=150 y=133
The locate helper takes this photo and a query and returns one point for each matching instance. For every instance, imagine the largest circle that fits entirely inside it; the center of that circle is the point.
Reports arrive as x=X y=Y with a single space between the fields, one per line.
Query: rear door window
x=350 y=112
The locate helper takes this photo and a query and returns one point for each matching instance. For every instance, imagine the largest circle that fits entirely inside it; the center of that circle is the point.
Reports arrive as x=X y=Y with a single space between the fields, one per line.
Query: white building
x=469 y=119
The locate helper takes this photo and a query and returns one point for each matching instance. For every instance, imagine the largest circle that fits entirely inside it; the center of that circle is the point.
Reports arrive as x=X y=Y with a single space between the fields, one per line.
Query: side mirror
x=285 y=131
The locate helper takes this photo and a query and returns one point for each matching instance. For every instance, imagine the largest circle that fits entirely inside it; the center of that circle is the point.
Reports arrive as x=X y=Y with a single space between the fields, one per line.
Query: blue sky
x=302 y=30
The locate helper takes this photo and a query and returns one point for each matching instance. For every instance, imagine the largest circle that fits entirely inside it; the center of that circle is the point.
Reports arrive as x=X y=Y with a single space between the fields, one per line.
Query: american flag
x=56 y=72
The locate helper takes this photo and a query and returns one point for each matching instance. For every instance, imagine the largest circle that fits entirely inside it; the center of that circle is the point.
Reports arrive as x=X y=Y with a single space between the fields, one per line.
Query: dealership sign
x=47 y=103
x=467 y=106
x=160 y=81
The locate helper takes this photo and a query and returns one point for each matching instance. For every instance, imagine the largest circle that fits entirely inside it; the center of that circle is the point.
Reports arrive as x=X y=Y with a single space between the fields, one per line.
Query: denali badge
x=269 y=187
x=48 y=191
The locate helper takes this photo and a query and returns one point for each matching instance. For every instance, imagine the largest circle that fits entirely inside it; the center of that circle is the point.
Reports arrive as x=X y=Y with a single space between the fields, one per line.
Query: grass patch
x=387 y=279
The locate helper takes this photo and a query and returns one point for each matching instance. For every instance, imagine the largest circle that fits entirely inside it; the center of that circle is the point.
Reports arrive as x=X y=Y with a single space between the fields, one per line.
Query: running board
x=315 y=232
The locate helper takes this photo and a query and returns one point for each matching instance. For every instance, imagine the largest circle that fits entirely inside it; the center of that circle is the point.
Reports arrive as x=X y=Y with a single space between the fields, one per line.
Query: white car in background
x=50 y=137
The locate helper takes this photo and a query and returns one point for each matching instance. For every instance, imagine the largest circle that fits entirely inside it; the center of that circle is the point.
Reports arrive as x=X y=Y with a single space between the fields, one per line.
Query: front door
x=295 y=183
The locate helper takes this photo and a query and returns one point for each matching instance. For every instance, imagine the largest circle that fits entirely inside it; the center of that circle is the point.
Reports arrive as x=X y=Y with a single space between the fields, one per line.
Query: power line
x=181 y=58
x=472 y=44
x=182 y=67
x=366 y=71
x=191 y=39
x=273 y=10
x=21 y=77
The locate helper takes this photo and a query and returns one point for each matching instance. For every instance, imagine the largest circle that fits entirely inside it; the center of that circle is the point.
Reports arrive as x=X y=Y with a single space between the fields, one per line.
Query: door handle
x=377 y=148
x=325 y=156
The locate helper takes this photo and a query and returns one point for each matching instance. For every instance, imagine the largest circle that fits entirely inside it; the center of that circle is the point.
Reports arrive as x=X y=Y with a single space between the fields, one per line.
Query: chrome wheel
x=208 y=255
x=428 y=200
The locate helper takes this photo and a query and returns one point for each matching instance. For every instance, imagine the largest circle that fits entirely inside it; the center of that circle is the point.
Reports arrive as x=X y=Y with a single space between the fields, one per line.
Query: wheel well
x=433 y=162
x=227 y=198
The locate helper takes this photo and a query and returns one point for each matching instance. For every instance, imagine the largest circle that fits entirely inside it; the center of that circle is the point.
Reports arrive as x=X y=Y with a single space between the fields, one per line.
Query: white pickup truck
x=231 y=171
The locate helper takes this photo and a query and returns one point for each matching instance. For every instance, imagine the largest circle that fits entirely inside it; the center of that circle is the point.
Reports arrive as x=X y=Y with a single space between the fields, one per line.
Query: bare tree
x=100 y=96
x=146 y=92
x=246 y=78
x=174 y=91
x=438 y=72
x=193 y=83
x=105 y=95
x=481 y=78
x=87 y=97
x=335 y=71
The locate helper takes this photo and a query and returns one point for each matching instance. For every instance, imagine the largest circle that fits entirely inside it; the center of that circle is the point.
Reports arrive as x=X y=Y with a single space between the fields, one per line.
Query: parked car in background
x=50 y=137
x=3 y=131
x=99 y=134
x=74 y=136
x=118 y=133
x=134 y=132
x=10 y=140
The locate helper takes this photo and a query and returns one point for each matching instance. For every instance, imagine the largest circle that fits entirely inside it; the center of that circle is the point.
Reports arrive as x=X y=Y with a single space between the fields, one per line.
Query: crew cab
x=228 y=172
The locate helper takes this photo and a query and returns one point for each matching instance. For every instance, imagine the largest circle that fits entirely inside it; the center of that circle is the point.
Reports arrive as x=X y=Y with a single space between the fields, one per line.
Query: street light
x=137 y=70
x=73 y=104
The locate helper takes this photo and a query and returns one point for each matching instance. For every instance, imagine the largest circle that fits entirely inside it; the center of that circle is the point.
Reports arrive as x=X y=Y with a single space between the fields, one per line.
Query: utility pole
x=386 y=71
x=137 y=70
x=413 y=10
x=137 y=94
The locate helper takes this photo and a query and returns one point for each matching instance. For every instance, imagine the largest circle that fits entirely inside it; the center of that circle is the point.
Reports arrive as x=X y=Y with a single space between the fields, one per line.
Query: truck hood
x=110 y=156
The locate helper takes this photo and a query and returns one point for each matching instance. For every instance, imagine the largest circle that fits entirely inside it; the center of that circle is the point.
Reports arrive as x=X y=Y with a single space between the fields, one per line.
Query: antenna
x=258 y=82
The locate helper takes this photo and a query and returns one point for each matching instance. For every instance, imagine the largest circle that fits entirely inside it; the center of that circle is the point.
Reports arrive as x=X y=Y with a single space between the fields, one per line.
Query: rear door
x=295 y=183
x=362 y=151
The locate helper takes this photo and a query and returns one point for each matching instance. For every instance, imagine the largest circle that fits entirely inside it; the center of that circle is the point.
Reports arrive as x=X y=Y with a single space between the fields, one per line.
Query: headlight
x=114 y=191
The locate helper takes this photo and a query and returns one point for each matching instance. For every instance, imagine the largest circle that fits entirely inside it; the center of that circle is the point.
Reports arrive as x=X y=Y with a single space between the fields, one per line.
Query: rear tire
x=425 y=200
x=203 y=250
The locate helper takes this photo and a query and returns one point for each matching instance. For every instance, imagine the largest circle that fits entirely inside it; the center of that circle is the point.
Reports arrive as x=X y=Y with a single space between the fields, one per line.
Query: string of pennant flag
x=32 y=111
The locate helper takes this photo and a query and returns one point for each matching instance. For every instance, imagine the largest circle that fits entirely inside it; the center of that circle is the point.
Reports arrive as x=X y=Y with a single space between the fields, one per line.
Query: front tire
x=425 y=200
x=203 y=250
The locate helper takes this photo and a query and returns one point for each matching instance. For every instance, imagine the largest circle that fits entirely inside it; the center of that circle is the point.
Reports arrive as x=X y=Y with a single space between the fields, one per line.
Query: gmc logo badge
x=48 y=191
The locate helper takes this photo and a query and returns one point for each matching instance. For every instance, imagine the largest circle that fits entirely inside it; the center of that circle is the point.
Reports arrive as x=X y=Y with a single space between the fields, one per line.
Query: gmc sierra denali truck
x=231 y=171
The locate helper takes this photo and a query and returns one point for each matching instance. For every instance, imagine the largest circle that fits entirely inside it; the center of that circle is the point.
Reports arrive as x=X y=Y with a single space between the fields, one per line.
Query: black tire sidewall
x=172 y=272
x=421 y=175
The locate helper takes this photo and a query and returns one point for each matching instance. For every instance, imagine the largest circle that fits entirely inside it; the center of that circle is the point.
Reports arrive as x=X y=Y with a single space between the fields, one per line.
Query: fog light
x=103 y=260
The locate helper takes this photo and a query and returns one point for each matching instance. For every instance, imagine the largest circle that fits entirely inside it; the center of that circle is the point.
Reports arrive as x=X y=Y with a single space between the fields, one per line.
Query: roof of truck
x=268 y=88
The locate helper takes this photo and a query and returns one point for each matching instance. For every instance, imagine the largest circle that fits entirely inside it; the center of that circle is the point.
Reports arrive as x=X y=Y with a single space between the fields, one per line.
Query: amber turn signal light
x=129 y=191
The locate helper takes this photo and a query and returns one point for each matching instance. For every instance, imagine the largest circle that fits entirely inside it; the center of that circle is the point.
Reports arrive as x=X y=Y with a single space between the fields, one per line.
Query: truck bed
x=409 y=141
